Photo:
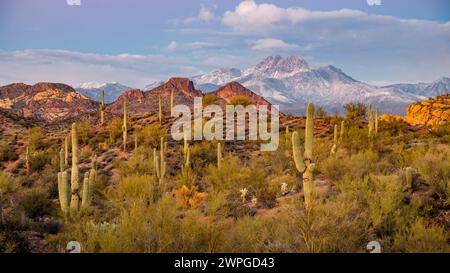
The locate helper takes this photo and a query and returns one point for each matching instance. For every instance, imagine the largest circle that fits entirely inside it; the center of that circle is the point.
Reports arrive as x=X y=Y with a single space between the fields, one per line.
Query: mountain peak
x=278 y=67
x=233 y=89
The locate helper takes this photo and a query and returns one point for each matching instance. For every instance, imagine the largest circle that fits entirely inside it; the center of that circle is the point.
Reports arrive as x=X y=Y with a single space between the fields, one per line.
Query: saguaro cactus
x=371 y=122
x=304 y=163
x=219 y=155
x=376 y=120
x=75 y=199
x=409 y=172
x=335 y=140
x=124 y=127
x=102 y=109
x=66 y=151
x=159 y=162
x=341 y=134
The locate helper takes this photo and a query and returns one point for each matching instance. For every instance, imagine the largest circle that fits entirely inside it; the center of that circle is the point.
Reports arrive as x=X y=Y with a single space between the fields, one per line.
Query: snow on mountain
x=153 y=85
x=291 y=83
x=94 y=90
x=433 y=89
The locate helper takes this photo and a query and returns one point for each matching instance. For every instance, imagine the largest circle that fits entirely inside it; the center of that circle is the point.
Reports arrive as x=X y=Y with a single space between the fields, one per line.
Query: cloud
x=172 y=46
x=73 y=2
x=373 y=2
x=272 y=45
x=204 y=15
x=250 y=17
x=134 y=70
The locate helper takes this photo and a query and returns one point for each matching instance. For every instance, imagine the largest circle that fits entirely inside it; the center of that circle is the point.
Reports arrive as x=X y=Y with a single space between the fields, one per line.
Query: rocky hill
x=45 y=101
x=431 y=112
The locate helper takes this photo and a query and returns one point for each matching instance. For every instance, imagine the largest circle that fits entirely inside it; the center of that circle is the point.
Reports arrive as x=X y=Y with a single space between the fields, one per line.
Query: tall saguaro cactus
x=160 y=162
x=75 y=199
x=304 y=163
x=124 y=127
x=102 y=109
x=341 y=134
x=376 y=120
x=371 y=122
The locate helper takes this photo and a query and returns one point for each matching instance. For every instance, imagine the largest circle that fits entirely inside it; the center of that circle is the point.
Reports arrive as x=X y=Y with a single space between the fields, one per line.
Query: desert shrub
x=137 y=164
x=240 y=100
x=393 y=128
x=421 y=237
x=36 y=138
x=320 y=112
x=134 y=188
x=85 y=153
x=12 y=241
x=115 y=130
x=39 y=159
x=202 y=154
x=232 y=175
x=434 y=167
x=355 y=110
x=355 y=139
x=36 y=203
x=443 y=131
x=267 y=198
x=83 y=132
x=209 y=99
x=151 y=135
x=7 y=152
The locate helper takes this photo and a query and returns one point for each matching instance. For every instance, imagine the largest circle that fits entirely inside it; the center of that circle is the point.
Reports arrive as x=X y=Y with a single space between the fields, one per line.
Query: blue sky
x=137 y=42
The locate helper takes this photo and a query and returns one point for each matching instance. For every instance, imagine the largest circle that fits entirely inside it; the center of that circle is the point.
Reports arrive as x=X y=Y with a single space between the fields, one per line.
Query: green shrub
x=36 y=203
x=240 y=100
x=7 y=152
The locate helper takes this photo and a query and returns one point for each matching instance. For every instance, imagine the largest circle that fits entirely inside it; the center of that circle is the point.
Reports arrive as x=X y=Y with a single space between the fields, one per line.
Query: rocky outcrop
x=234 y=89
x=431 y=112
x=45 y=101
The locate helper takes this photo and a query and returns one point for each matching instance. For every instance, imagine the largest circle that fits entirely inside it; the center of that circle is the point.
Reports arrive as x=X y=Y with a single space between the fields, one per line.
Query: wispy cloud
x=272 y=45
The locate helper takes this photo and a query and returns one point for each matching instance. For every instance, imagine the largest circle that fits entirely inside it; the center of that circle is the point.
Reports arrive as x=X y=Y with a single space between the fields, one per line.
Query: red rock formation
x=234 y=89
x=45 y=101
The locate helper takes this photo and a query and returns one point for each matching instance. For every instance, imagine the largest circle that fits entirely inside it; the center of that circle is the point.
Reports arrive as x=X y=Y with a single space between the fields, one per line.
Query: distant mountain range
x=292 y=83
x=94 y=90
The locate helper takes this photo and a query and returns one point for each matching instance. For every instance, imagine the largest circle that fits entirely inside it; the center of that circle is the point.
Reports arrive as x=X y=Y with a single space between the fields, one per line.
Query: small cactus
x=243 y=192
x=304 y=163
x=159 y=163
x=409 y=173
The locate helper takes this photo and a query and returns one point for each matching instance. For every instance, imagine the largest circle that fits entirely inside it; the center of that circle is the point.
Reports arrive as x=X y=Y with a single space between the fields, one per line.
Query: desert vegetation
x=123 y=185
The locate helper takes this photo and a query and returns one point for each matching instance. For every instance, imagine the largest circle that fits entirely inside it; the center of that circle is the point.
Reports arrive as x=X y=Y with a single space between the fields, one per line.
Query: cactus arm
x=85 y=198
x=297 y=154
x=91 y=184
x=61 y=161
x=64 y=192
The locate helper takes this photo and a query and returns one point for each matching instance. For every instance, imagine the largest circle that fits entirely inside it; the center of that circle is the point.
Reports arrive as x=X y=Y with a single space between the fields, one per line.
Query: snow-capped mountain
x=433 y=89
x=153 y=85
x=94 y=90
x=291 y=83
